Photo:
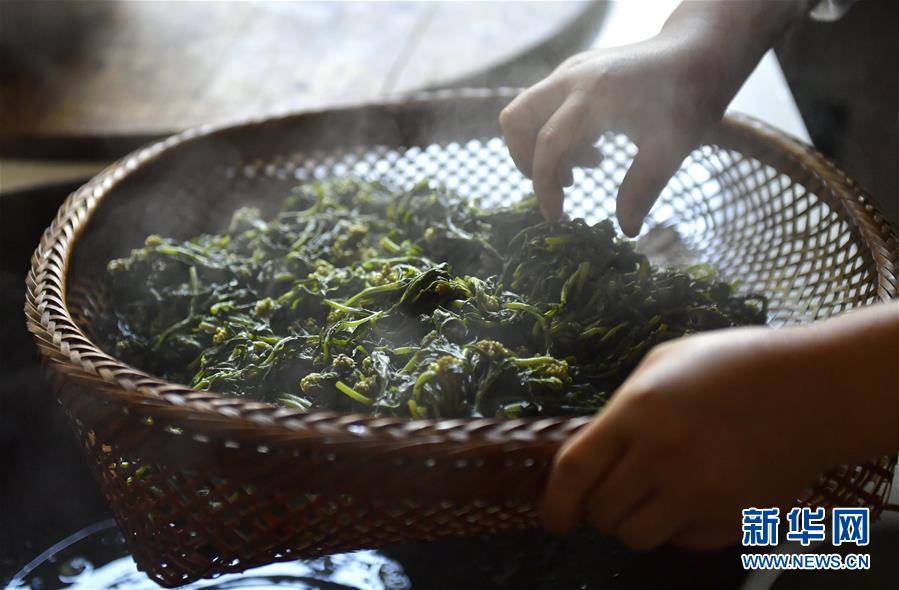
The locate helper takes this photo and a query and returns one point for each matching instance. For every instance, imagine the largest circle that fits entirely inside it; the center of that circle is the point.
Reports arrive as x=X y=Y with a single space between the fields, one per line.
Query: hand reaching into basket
x=663 y=93
x=710 y=424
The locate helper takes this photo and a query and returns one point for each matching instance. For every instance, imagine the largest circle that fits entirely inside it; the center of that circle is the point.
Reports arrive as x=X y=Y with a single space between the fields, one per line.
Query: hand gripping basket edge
x=203 y=484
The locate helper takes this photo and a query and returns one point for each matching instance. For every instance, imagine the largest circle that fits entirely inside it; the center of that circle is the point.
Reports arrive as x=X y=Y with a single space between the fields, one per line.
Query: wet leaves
x=412 y=303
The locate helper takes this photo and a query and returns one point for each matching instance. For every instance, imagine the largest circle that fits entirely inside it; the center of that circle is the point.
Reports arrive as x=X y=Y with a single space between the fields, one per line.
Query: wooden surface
x=109 y=70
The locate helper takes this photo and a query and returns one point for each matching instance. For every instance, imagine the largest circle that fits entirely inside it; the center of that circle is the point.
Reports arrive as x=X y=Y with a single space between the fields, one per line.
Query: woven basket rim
x=72 y=353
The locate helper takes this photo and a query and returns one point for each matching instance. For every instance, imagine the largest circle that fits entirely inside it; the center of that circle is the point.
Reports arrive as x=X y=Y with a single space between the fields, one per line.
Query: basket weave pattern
x=204 y=484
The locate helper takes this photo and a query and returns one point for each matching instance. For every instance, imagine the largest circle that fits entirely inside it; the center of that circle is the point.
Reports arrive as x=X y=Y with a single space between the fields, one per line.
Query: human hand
x=705 y=426
x=663 y=93
x=647 y=91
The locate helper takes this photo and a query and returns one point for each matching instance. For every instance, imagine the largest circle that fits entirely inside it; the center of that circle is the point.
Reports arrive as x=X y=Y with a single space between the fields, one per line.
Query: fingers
x=653 y=524
x=551 y=168
x=656 y=162
x=540 y=134
x=624 y=489
x=585 y=155
x=578 y=465
x=565 y=175
x=523 y=118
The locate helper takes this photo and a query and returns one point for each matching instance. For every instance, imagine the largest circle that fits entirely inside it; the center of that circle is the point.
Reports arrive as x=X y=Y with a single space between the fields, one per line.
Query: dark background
x=845 y=79
x=46 y=490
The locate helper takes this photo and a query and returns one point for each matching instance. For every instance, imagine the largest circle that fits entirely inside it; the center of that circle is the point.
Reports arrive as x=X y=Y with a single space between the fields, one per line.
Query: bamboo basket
x=203 y=484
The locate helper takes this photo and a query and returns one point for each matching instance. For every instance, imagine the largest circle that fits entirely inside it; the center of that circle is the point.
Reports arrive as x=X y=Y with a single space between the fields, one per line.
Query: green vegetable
x=414 y=303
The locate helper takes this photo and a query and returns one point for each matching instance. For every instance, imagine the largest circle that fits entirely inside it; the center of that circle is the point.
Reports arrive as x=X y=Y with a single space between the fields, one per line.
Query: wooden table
x=116 y=74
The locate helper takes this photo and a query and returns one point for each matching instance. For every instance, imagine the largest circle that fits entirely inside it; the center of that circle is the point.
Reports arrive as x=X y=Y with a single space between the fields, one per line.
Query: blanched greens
x=358 y=298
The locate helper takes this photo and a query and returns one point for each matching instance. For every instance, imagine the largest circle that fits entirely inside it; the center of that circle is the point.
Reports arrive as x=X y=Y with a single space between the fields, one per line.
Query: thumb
x=652 y=168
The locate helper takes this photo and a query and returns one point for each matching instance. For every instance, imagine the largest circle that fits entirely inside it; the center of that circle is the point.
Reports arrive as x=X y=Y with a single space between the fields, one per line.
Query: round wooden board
x=89 y=79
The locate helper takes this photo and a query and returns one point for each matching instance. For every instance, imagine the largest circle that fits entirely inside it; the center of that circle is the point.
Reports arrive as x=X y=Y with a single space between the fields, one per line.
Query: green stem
x=411 y=362
x=420 y=382
x=533 y=361
x=391 y=246
x=344 y=308
x=356 y=323
x=415 y=411
x=532 y=311
x=374 y=290
x=352 y=393
x=160 y=340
